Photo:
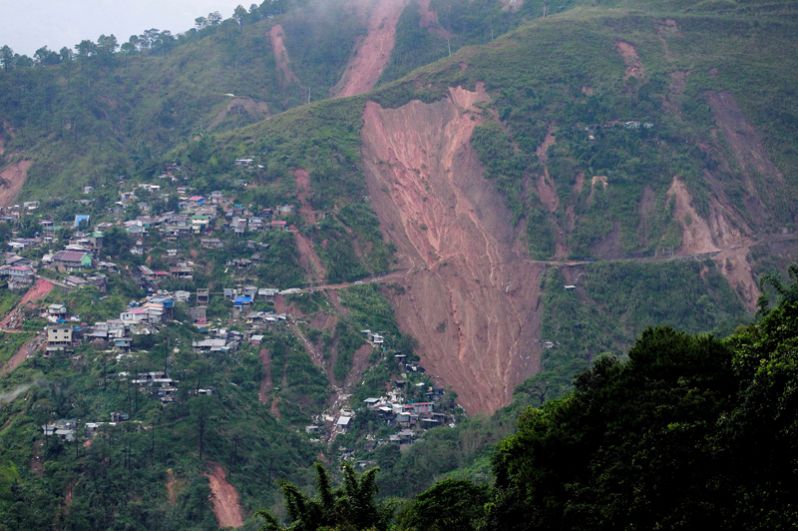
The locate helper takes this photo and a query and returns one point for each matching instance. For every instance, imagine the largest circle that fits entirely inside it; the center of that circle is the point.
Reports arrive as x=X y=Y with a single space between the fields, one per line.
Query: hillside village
x=158 y=239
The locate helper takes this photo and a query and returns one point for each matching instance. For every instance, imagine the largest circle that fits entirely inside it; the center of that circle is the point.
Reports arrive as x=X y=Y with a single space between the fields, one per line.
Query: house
x=342 y=423
x=56 y=312
x=59 y=338
x=239 y=225
x=211 y=243
x=70 y=261
x=373 y=338
x=64 y=429
x=17 y=277
x=203 y=296
x=182 y=296
x=184 y=271
x=199 y=223
x=244 y=162
x=81 y=219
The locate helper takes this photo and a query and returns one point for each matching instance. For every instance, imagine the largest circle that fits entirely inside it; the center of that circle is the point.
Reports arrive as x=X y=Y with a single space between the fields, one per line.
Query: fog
x=27 y=26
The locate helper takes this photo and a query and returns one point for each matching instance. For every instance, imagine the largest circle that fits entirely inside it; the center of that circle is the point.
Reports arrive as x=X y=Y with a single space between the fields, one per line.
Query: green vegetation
x=688 y=432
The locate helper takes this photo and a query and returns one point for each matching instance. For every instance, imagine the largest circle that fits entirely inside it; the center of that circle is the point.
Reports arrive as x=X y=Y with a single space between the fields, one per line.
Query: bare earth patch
x=277 y=39
x=224 y=497
x=471 y=296
x=12 y=178
x=373 y=52
x=309 y=260
x=634 y=68
x=171 y=486
x=718 y=234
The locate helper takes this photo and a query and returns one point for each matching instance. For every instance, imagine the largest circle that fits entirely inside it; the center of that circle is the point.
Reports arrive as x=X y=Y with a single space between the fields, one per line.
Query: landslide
x=472 y=296
x=12 y=179
x=373 y=52
x=277 y=39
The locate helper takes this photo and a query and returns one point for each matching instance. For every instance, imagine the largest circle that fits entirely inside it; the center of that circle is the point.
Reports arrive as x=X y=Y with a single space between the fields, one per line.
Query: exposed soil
x=171 y=486
x=697 y=236
x=309 y=260
x=303 y=192
x=40 y=289
x=12 y=178
x=277 y=38
x=360 y=362
x=248 y=108
x=748 y=150
x=735 y=266
x=429 y=19
x=266 y=382
x=634 y=68
x=547 y=191
x=224 y=497
x=722 y=233
x=24 y=352
x=373 y=52
x=470 y=297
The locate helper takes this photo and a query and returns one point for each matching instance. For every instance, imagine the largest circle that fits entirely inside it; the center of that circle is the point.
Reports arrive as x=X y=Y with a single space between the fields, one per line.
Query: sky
x=27 y=25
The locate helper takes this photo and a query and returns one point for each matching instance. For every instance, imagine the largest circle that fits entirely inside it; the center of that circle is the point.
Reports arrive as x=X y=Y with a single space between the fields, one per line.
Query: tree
x=449 y=504
x=45 y=56
x=7 y=58
x=350 y=506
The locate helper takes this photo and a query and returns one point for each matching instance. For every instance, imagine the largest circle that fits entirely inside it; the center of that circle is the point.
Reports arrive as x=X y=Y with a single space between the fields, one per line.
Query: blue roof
x=243 y=299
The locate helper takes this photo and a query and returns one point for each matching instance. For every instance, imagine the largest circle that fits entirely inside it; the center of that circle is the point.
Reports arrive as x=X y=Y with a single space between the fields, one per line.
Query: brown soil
x=470 y=296
x=734 y=265
x=171 y=486
x=429 y=20
x=748 y=150
x=249 y=108
x=634 y=68
x=40 y=289
x=24 y=352
x=373 y=52
x=12 y=178
x=672 y=102
x=697 y=236
x=545 y=186
x=360 y=362
x=722 y=233
x=224 y=497
x=309 y=260
x=266 y=381
x=302 y=181
x=277 y=38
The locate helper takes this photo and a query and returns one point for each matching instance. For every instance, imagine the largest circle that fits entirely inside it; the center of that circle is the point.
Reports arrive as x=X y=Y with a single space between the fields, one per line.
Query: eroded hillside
x=471 y=296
